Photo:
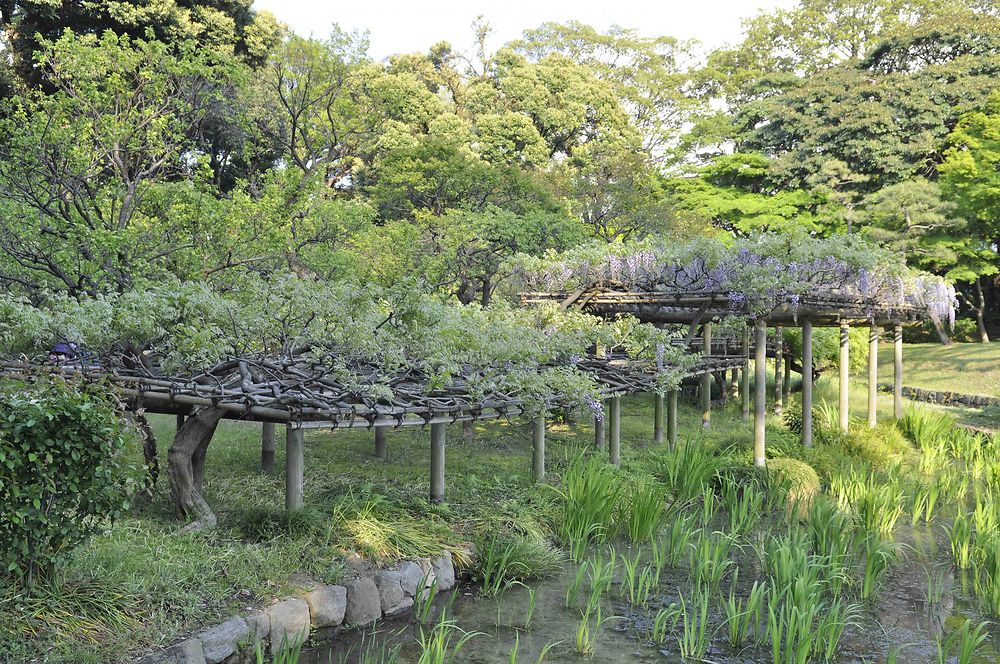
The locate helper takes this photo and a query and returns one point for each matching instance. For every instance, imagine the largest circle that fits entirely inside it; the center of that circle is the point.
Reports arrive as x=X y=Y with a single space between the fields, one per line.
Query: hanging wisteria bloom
x=755 y=273
x=596 y=407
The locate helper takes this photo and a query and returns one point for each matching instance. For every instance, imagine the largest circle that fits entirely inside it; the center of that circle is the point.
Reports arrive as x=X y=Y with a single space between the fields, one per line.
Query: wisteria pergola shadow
x=833 y=308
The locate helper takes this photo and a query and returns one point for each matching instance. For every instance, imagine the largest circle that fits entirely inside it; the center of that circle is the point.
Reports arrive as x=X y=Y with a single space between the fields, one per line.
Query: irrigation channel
x=591 y=613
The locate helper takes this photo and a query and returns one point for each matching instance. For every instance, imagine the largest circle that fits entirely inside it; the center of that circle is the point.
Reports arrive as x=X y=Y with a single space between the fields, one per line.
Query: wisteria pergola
x=301 y=393
x=769 y=280
x=831 y=309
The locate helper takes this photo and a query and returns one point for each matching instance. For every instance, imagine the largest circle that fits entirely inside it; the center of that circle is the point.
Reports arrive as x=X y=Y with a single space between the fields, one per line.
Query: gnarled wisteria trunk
x=186 y=467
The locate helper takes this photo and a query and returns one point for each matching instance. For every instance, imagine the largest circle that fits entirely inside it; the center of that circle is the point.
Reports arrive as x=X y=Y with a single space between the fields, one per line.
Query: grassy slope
x=967 y=368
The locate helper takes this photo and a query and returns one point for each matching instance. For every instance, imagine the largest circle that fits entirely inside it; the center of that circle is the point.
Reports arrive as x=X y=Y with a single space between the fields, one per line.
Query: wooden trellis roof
x=306 y=394
x=664 y=307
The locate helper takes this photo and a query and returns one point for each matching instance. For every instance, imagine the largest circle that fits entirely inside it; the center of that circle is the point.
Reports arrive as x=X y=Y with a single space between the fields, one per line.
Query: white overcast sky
x=406 y=27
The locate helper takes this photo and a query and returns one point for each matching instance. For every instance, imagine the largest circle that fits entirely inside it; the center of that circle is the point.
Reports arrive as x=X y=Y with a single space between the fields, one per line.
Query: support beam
x=672 y=418
x=294 y=468
x=779 y=376
x=873 y=335
x=600 y=437
x=807 y=383
x=897 y=372
x=706 y=378
x=745 y=378
x=267 y=447
x=437 y=462
x=538 y=448
x=657 y=418
x=760 y=392
x=381 y=445
x=615 y=444
x=845 y=376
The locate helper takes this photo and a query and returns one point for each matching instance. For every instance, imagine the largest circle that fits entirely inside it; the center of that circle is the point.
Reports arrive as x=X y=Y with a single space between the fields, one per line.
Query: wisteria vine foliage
x=755 y=273
x=366 y=341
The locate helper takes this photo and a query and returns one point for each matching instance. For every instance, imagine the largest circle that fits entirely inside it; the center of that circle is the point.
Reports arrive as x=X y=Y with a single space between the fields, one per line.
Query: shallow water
x=900 y=619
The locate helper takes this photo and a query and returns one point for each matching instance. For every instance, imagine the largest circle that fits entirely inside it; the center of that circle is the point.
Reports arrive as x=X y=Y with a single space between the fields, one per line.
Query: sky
x=406 y=27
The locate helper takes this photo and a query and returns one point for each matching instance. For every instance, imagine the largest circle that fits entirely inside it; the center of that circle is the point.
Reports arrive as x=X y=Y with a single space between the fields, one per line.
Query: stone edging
x=317 y=616
x=944 y=398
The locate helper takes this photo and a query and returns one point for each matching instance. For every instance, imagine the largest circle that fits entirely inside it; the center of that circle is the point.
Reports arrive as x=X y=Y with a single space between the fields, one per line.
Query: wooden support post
x=600 y=438
x=437 y=462
x=381 y=445
x=734 y=382
x=706 y=378
x=745 y=378
x=760 y=392
x=657 y=418
x=615 y=444
x=845 y=376
x=788 y=378
x=294 y=468
x=873 y=376
x=807 y=383
x=672 y=418
x=779 y=385
x=267 y=447
x=897 y=372
x=538 y=448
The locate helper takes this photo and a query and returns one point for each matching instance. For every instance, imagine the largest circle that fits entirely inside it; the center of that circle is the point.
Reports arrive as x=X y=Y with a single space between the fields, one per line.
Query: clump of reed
x=590 y=494
x=505 y=559
x=687 y=469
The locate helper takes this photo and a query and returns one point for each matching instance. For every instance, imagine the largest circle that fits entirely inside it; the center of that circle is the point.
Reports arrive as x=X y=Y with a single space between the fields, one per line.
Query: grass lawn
x=968 y=368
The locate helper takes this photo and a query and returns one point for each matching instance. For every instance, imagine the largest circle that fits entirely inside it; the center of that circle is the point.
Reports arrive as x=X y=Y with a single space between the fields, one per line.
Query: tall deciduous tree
x=970 y=176
x=225 y=26
x=78 y=164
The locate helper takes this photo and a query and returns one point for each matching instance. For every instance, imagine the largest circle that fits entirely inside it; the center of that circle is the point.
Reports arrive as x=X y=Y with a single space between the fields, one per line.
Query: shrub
x=878 y=447
x=64 y=471
x=803 y=482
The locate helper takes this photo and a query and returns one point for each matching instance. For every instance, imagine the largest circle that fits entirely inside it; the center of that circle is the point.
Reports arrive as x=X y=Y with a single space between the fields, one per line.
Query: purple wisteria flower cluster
x=754 y=275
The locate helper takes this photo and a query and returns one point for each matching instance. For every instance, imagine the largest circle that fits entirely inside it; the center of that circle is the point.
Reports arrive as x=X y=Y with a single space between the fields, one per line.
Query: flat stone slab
x=259 y=625
x=403 y=607
x=390 y=590
x=289 y=623
x=410 y=576
x=327 y=605
x=444 y=570
x=186 y=652
x=364 y=605
x=221 y=641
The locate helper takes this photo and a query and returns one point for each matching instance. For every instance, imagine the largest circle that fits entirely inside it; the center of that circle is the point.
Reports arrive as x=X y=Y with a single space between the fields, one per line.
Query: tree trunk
x=980 y=310
x=148 y=453
x=939 y=328
x=186 y=466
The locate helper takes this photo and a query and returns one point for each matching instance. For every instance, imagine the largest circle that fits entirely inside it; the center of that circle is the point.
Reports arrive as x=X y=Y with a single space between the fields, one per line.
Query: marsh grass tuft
x=506 y=559
x=590 y=492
